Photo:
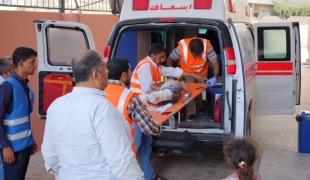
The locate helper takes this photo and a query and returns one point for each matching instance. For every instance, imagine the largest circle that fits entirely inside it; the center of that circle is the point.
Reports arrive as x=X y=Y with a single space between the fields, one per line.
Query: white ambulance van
x=260 y=64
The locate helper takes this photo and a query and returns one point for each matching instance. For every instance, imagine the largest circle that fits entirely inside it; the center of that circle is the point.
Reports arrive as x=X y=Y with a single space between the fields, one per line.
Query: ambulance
x=260 y=63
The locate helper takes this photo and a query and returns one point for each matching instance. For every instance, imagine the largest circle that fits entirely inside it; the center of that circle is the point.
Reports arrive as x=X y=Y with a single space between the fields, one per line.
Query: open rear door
x=57 y=43
x=277 y=65
x=297 y=62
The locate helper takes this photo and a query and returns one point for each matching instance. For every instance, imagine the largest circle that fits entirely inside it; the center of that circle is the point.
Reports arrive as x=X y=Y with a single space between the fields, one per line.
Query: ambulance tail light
x=231 y=5
x=202 y=4
x=231 y=60
x=140 y=5
x=106 y=52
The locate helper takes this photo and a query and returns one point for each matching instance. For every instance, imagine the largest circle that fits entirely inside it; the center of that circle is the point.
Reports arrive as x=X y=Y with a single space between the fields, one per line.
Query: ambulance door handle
x=229 y=106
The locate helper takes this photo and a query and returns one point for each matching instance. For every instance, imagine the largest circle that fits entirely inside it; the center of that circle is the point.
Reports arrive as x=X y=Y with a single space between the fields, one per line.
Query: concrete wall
x=260 y=8
x=17 y=29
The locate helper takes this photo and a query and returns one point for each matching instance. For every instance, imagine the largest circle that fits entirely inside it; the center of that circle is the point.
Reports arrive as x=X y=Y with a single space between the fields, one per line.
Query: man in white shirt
x=85 y=136
x=6 y=68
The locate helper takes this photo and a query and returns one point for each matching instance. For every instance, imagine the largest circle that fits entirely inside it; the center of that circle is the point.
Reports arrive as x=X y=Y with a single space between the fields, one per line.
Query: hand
x=185 y=98
x=34 y=148
x=200 y=77
x=207 y=86
x=8 y=155
x=211 y=81
x=144 y=98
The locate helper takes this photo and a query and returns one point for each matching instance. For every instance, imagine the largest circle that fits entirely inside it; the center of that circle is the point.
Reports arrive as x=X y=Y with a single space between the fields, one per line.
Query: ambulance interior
x=131 y=43
x=139 y=40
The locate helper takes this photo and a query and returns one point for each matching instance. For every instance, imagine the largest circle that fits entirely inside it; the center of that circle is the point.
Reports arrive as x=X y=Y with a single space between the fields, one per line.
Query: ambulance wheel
x=248 y=124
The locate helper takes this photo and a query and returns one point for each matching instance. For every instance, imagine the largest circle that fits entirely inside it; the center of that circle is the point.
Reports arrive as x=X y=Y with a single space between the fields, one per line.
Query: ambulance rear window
x=275 y=44
x=63 y=43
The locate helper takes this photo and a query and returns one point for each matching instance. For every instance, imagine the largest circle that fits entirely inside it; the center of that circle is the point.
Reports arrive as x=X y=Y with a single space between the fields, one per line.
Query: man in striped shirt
x=193 y=55
x=119 y=76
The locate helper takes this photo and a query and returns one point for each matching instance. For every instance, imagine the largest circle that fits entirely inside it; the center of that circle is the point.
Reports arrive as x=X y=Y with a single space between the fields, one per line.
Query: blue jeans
x=1 y=169
x=18 y=169
x=144 y=143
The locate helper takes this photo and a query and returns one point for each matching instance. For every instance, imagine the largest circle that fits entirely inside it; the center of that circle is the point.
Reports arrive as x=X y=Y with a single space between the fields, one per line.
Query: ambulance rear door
x=57 y=43
x=277 y=67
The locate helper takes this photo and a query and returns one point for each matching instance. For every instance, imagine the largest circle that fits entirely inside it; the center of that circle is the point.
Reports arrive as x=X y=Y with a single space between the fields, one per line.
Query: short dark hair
x=84 y=66
x=196 y=46
x=22 y=53
x=116 y=67
x=156 y=49
x=5 y=64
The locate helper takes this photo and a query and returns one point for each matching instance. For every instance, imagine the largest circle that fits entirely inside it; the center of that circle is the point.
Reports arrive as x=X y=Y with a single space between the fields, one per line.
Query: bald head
x=84 y=63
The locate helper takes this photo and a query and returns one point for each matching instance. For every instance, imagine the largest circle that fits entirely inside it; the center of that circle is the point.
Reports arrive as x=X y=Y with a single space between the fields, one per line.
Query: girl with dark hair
x=241 y=154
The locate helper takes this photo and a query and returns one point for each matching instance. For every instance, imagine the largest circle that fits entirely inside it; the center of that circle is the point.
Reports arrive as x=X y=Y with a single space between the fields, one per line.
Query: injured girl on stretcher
x=168 y=92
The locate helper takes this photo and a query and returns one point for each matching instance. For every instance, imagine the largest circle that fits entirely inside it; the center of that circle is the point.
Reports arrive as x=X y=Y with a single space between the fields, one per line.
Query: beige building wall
x=261 y=8
x=18 y=29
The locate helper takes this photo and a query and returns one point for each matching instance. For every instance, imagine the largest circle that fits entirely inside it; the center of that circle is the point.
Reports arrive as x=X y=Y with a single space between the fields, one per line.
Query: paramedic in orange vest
x=132 y=108
x=149 y=70
x=193 y=55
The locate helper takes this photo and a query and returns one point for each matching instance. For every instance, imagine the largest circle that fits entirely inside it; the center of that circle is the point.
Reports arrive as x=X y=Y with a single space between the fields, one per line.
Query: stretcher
x=162 y=117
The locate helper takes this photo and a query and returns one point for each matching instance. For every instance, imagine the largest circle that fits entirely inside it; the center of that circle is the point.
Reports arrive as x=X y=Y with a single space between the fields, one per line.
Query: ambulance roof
x=238 y=10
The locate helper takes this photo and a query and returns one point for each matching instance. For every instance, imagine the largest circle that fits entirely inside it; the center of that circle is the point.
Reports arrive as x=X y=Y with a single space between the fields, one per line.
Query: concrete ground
x=277 y=137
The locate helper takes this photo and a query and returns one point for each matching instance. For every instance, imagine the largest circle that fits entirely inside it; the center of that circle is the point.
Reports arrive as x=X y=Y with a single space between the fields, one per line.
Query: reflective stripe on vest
x=187 y=61
x=15 y=121
x=19 y=135
x=134 y=82
x=120 y=96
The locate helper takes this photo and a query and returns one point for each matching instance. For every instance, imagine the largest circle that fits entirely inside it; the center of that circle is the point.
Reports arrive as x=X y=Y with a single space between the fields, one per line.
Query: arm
x=113 y=134
x=199 y=77
x=51 y=160
x=213 y=58
x=6 y=99
x=185 y=88
x=174 y=56
x=143 y=118
x=169 y=61
x=216 y=67
x=156 y=87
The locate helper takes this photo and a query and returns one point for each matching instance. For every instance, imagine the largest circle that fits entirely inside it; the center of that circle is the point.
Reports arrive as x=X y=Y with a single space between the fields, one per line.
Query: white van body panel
x=275 y=68
x=59 y=41
x=238 y=78
x=252 y=89
x=185 y=9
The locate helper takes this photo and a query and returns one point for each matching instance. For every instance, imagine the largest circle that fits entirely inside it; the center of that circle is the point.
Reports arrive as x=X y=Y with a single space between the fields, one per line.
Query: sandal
x=158 y=177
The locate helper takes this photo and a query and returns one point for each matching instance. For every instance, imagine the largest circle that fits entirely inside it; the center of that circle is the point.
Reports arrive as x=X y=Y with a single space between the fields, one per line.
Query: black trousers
x=18 y=169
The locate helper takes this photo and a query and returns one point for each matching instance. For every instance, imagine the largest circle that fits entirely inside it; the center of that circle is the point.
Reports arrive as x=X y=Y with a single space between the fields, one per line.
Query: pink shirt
x=257 y=177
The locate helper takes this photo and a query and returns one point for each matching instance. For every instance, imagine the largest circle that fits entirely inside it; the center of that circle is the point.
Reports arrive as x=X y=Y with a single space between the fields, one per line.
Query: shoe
x=191 y=117
x=202 y=111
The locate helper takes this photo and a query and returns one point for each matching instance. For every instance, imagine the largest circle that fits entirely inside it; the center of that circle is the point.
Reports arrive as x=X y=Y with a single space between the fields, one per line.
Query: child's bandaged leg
x=157 y=97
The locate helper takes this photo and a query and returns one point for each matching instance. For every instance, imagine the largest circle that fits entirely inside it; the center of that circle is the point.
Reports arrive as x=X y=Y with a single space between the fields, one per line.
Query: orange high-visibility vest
x=155 y=71
x=120 y=96
x=188 y=62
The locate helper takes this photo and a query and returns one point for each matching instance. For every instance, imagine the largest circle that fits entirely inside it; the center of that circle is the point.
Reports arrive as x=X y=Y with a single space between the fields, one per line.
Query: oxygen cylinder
x=217 y=110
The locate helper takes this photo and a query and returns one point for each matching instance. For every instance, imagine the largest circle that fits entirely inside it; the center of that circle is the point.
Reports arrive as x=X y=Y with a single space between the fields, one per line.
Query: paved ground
x=277 y=138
